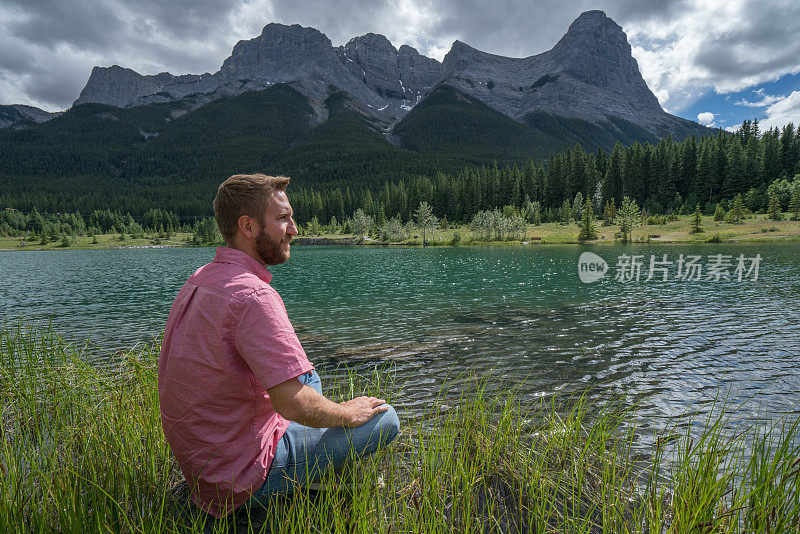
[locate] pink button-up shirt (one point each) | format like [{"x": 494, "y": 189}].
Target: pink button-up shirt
[{"x": 228, "y": 339}]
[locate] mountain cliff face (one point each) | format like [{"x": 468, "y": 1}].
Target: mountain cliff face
[
  {"x": 589, "y": 74},
  {"x": 121, "y": 87},
  {"x": 402, "y": 77},
  {"x": 19, "y": 116},
  {"x": 301, "y": 56}
]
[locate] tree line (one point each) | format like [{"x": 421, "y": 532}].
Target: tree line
[
  {"x": 65, "y": 227},
  {"x": 666, "y": 178},
  {"x": 669, "y": 177}
]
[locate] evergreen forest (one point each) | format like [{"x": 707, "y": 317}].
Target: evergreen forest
[{"x": 450, "y": 151}]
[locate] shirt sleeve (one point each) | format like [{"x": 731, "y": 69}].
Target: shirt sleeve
[{"x": 267, "y": 341}]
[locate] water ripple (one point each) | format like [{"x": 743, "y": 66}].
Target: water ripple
[{"x": 518, "y": 317}]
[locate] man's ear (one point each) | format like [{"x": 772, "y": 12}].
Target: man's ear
[{"x": 247, "y": 225}]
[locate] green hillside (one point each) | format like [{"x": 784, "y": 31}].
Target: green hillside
[
  {"x": 74, "y": 161},
  {"x": 450, "y": 123},
  {"x": 351, "y": 149},
  {"x": 244, "y": 133},
  {"x": 174, "y": 155},
  {"x": 96, "y": 156}
]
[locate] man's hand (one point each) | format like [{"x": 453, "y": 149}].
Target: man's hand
[
  {"x": 362, "y": 409},
  {"x": 298, "y": 402}
]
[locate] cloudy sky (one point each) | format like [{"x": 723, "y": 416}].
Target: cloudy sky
[{"x": 714, "y": 61}]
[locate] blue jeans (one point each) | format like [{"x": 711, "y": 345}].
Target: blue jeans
[{"x": 304, "y": 454}]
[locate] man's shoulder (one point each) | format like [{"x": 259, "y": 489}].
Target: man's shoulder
[{"x": 231, "y": 280}]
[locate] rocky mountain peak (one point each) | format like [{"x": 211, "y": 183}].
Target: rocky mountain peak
[
  {"x": 458, "y": 49},
  {"x": 595, "y": 51},
  {"x": 401, "y": 76},
  {"x": 372, "y": 41},
  {"x": 589, "y": 74},
  {"x": 460, "y": 56},
  {"x": 592, "y": 20},
  {"x": 279, "y": 53},
  {"x": 21, "y": 116}
]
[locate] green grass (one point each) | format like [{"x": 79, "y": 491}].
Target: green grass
[
  {"x": 101, "y": 241},
  {"x": 82, "y": 450},
  {"x": 757, "y": 229}
]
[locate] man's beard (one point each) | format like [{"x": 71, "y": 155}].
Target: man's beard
[{"x": 270, "y": 250}]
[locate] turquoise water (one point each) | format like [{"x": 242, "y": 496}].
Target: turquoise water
[{"x": 519, "y": 316}]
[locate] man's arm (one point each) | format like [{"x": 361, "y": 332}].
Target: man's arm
[{"x": 297, "y": 402}]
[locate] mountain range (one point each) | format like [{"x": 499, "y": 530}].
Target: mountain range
[
  {"x": 289, "y": 101},
  {"x": 589, "y": 74}
]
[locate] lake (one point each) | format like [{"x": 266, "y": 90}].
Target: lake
[{"x": 519, "y": 316}]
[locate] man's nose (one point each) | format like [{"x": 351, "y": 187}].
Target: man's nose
[{"x": 292, "y": 230}]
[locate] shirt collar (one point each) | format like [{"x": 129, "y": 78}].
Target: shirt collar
[{"x": 237, "y": 257}]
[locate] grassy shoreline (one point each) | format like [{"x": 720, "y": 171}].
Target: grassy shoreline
[
  {"x": 755, "y": 230},
  {"x": 82, "y": 450},
  {"x": 103, "y": 242}
]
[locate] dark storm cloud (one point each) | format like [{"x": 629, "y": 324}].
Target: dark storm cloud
[
  {"x": 48, "y": 85},
  {"x": 39, "y": 37},
  {"x": 186, "y": 18},
  {"x": 767, "y": 42},
  {"x": 514, "y": 28},
  {"x": 100, "y": 23},
  {"x": 80, "y": 23},
  {"x": 723, "y": 61},
  {"x": 20, "y": 61},
  {"x": 340, "y": 20},
  {"x": 644, "y": 10},
  {"x": 507, "y": 27}
]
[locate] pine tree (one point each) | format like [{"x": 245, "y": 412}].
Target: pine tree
[
  {"x": 788, "y": 149},
  {"x": 608, "y": 214},
  {"x": 577, "y": 205},
  {"x": 587, "y": 232},
  {"x": 771, "y": 159},
  {"x": 361, "y": 224},
  {"x": 734, "y": 181},
  {"x": 774, "y": 208},
  {"x": 314, "y": 226},
  {"x": 719, "y": 213},
  {"x": 612, "y": 180},
  {"x": 627, "y": 217},
  {"x": 566, "y": 211},
  {"x": 795, "y": 204},
  {"x": 688, "y": 164},
  {"x": 705, "y": 172},
  {"x": 696, "y": 221},
  {"x": 737, "y": 211},
  {"x": 635, "y": 176},
  {"x": 425, "y": 220}
]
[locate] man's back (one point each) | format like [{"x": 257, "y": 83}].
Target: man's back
[{"x": 227, "y": 340}]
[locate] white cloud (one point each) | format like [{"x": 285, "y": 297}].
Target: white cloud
[
  {"x": 706, "y": 118},
  {"x": 766, "y": 100},
  {"x": 779, "y": 109},
  {"x": 720, "y": 45},
  {"x": 783, "y": 112}
]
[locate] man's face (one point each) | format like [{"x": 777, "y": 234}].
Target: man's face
[{"x": 277, "y": 230}]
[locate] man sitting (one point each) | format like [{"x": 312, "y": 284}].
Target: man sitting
[{"x": 241, "y": 406}]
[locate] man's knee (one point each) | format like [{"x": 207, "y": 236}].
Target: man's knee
[{"x": 388, "y": 425}]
